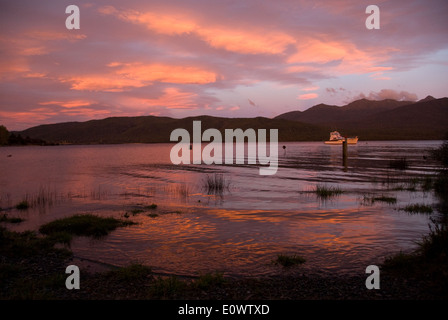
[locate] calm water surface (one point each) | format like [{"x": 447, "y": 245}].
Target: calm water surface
[{"x": 240, "y": 230}]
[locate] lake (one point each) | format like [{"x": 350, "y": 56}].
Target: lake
[{"x": 240, "y": 229}]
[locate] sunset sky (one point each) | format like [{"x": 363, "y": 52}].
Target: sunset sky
[{"x": 222, "y": 58}]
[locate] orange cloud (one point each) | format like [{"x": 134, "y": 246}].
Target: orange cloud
[
  {"x": 86, "y": 112},
  {"x": 244, "y": 41},
  {"x": 228, "y": 38},
  {"x": 13, "y": 68},
  {"x": 43, "y": 35},
  {"x": 67, "y": 104},
  {"x": 352, "y": 59},
  {"x": 107, "y": 83},
  {"x": 172, "y": 98},
  {"x": 136, "y": 75},
  {"x": 33, "y": 116},
  {"x": 166, "y": 24},
  {"x": 35, "y": 75},
  {"x": 307, "y": 96},
  {"x": 34, "y": 51},
  {"x": 165, "y": 73}
]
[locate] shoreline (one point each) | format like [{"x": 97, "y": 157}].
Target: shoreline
[{"x": 116, "y": 284}]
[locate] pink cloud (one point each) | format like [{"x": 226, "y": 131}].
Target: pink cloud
[
  {"x": 388, "y": 94},
  {"x": 307, "y": 96},
  {"x": 188, "y": 58},
  {"x": 67, "y": 104}
]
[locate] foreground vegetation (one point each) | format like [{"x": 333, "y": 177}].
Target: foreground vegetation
[
  {"x": 429, "y": 261},
  {"x": 32, "y": 266},
  {"x": 289, "y": 260},
  {"x": 325, "y": 192},
  {"x": 83, "y": 225}
]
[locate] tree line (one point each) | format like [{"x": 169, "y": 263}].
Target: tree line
[{"x": 12, "y": 139}]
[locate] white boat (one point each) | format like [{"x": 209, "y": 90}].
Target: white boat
[{"x": 336, "y": 138}]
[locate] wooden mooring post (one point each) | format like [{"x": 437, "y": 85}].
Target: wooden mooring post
[{"x": 344, "y": 152}]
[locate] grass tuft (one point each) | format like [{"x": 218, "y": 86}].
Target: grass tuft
[
  {"x": 136, "y": 211},
  {"x": 435, "y": 244},
  {"x": 325, "y": 192},
  {"x": 216, "y": 184},
  {"x": 27, "y": 244},
  {"x": 418, "y": 208},
  {"x": 4, "y": 218},
  {"x": 289, "y": 260},
  {"x": 84, "y": 225},
  {"x": 209, "y": 280},
  {"x": 371, "y": 200},
  {"x": 153, "y": 215},
  {"x": 399, "y": 164},
  {"x": 166, "y": 288},
  {"x": 23, "y": 205}
]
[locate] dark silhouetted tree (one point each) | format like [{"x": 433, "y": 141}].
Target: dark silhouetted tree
[{"x": 4, "y": 135}]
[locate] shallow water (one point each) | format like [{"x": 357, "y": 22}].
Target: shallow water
[{"x": 240, "y": 230}]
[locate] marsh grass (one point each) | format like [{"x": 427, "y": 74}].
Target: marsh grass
[
  {"x": 84, "y": 225},
  {"x": 99, "y": 194},
  {"x": 441, "y": 184},
  {"x": 153, "y": 215},
  {"x": 435, "y": 244},
  {"x": 399, "y": 164},
  {"x": 409, "y": 184},
  {"x": 136, "y": 211},
  {"x": 418, "y": 208},
  {"x": 4, "y": 218},
  {"x": 5, "y": 200},
  {"x": 44, "y": 197},
  {"x": 427, "y": 183},
  {"x": 209, "y": 280},
  {"x": 140, "y": 209},
  {"x": 23, "y": 205},
  {"x": 30, "y": 265},
  {"x": 27, "y": 244},
  {"x": 370, "y": 200},
  {"x": 216, "y": 183},
  {"x": 169, "y": 287},
  {"x": 325, "y": 192},
  {"x": 429, "y": 259},
  {"x": 289, "y": 260},
  {"x": 181, "y": 190}
]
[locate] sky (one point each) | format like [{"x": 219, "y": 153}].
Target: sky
[{"x": 228, "y": 58}]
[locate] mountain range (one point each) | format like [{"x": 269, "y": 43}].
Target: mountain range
[
  {"x": 381, "y": 120},
  {"x": 426, "y": 119}
]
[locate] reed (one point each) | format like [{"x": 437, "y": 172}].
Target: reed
[
  {"x": 325, "y": 192},
  {"x": 84, "y": 225},
  {"x": 209, "y": 280},
  {"x": 216, "y": 183},
  {"x": 370, "y": 200},
  {"x": 418, "y": 208},
  {"x": 4, "y": 218},
  {"x": 23, "y": 205},
  {"x": 289, "y": 260},
  {"x": 399, "y": 164}
]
